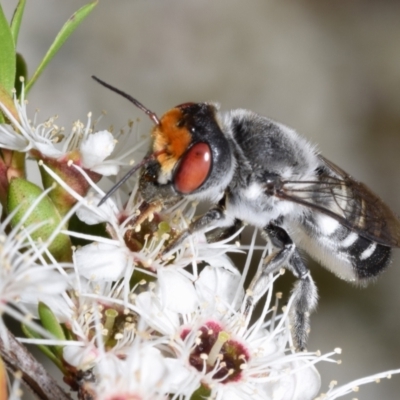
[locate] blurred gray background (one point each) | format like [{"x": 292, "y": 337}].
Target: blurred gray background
[{"x": 331, "y": 70}]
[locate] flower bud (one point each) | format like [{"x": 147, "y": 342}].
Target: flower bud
[
  {"x": 22, "y": 195},
  {"x": 72, "y": 177}
]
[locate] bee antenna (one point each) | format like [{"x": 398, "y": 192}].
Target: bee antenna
[
  {"x": 128, "y": 175},
  {"x": 151, "y": 114}
]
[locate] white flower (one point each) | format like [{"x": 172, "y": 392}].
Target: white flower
[
  {"x": 25, "y": 275},
  {"x": 95, "y": 313},
  {"x": 136, "y": 240},
  {"x": 217, "y": 348},
  {"x": 142, "y": 375},
  {"x": 95, "y": 148},
  {"x": 186, "y": 310},
  {"x": 87, "y": 148},
  {"x": 115, "y": 348},
  {"x": 23, "y": 136}
]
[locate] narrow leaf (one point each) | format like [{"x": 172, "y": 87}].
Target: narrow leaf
[
  {"x": 22, "y": 71},
  {"x": 69, "y": 27},
  {"x": 31, "y": 334},
  {"x": 50, "y": 323},
  {"x": 16, "y": 20},
  {"x": 7, "y": 55}
]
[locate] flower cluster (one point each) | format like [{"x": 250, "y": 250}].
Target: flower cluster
[{"x": 121, "y": 321}]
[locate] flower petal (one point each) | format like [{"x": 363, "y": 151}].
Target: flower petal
[
  {"x": 47, "y": 149},
  {"x": 9, "y": 139},
  {"x": 177, "y": 292},
  {"x": 179, "y": 376},
  {"x": 91, "y": 214},
  {"x": 106, "y": 169},
  {"x": 150, "y": 309},
  {"x": 80, "y": 357},
  {"x": 302, "y": 385},
  {"x": 102, "y": 261},
  {"x": 215, "y": 281},
  {"x": 96, "y": 148}
]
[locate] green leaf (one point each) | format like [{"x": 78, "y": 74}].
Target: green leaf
[
  {"x": 69, "y": 27},
  {"x": 31, "y": 334},
  {"x": 16, "y": 20},
  {"x": 7, "y": 55},
  {"x": 22, "y": 71},
  {"x": 50, "y": 323}
]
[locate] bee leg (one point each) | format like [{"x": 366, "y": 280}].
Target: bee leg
[
  {"x": 305, "y": 299},
  {"x": 219, "y": 234},
  {"x": 214, "y": 216},
  {"x": 272, "y": 263},
  {"x": 304, "y": 293}
]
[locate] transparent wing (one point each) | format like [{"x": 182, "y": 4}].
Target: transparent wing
[{"x": 336, "y": 194}]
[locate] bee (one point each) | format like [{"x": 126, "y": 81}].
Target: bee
[{"x": 262, "y": 173}]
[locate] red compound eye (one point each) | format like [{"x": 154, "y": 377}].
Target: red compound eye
[{"x": 193, "y": 169}]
